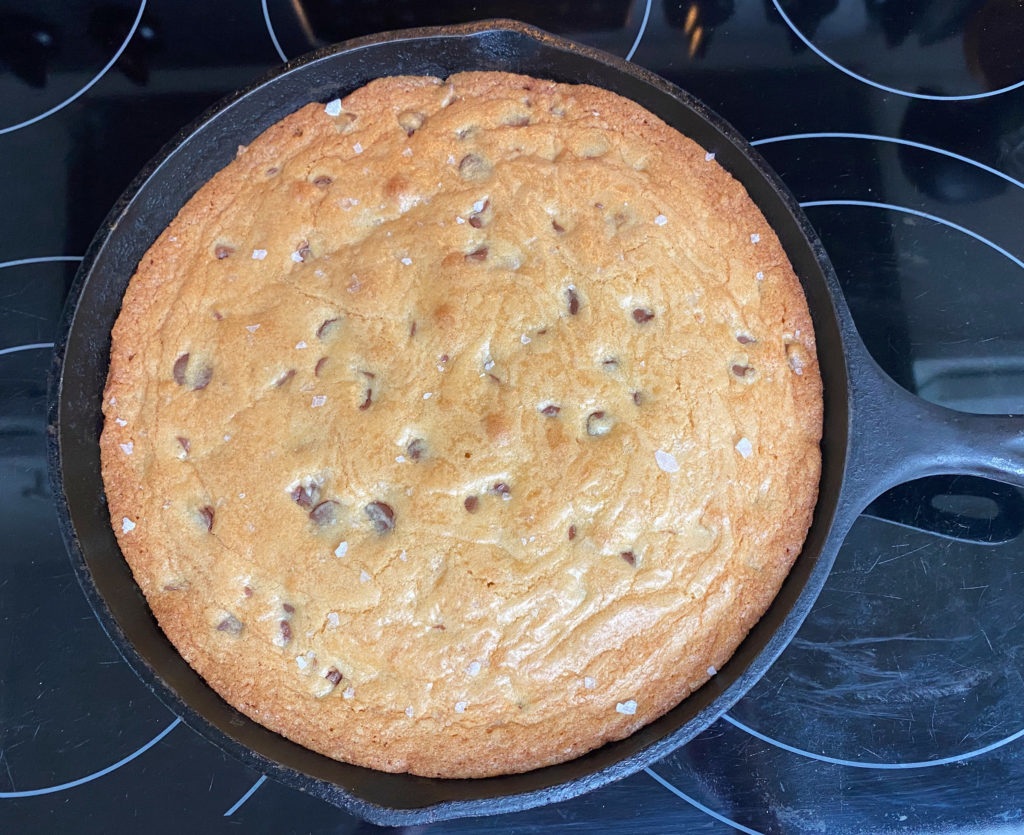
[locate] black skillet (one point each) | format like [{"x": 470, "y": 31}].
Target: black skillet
[{"x": 876, "y": 435}]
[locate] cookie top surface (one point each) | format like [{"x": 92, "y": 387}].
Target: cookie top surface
[{"x": 462, "y": 425}]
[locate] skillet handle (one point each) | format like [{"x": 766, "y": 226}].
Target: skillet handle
[{"x": 896, "y": 436}]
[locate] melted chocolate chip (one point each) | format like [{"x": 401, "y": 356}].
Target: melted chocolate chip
[
  {"x": 206, "y": 514},
  {"x": 284, "y": 378},
  {"x": 475, "y": 221},
  {"x": 416, "y": 449},
  {"x": 412, "y": 330},
  {"x": 637, "y": 397},
  {"x": 479, "y": 254},
  {"x": 224, "y": 251},
  {"x": 185, "y": 443},
  {"x": 367, "y": 402},
  {"x": 303, "y": 250},
  {"x": 744, "y": 339},
  {"x": 304, "y": 495},
  {"x": 381, "y": 515},
  {"x": 179, "y": 369},
  {"x": 574, "y": 301},
  {"x": 324, "y": 513},
  {"x": 741, "y": 370},
  {"x": 323, "y": 181},
  {"x": 334, "y": 676},
  {"x": 231, "y": 625},
  {"x": 598, "y": 423},
  {"x": 471, "y": 503},
  {"x": 610, "y": 364},
  {"x": 641, "y": 315},
  {"x": 320, "y": 363},
  {"x": 551, "y": 410},
  {"x": 326, "y": 328},
  {"x": 572, "y": 532},
  {"x": 501, "y": 488},
  {"x": 273, "y": 171},
  {"x": 286, "y": 633},
  {"x": 629, "y": 557},
  {"x": 557, "y": 226},
  {"x": 288, "y": 608},
  {"x": 247, "y": 591}
]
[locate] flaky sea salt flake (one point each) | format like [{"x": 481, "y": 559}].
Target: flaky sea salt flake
[
  {"x": 252, "y": 328},
  {"x": 660, "y": 220},
  {"x": 473, "y": 668},
  {"x": 666, "y": 461},
  {"x": 744, "y": 447},
  {"x": 127, "y": 525},
  {"x": 710, "y": 155},
  {"x": 348, "y": 693},
  {"x": 754, "y": 238},
  {"x": 358, "y": 148},
  {"x": 341, "y": 550},
  {"x": 712, "y": 671},
  {"x": 120, "y": 421},
  {"x": 297, "y": 257},
  {"x": 628, "y": 707},
  {"x": 460, "y": 707},
  {"x": 589, "y": 683},
  {"x": 319, "y": 400},
  {"x": 259, "y": 254},
  {"x": 333, "y": 619},
  {"x": 364, "y": 577},
  {"x": 333, "y": 108},
  {"x": 407, "y": 261},
  {"x": 127, "y": 448}
]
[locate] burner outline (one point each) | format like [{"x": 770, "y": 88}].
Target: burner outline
[
  {"x": 246, "y": 796},
  {"x": 45, "y": 259},
  {"x": 15, "y": 349},
  {"x": 698, "y": 805},
  {"x": 836, "y": 65},
  {"x": 96, "y": 774},
  {"x": 894, "y": 139},
  {"x": 270, "y": 30},
  {"x": 640, "y": 34},
  {"x": 88, "y": 86}
]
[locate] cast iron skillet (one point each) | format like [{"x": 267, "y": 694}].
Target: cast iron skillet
[{"x": 876, "y": 435}]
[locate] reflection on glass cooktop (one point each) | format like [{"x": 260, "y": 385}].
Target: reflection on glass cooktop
[{"x": 898, "y": 125}]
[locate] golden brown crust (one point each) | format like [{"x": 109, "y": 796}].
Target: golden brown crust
[{"x": 490, "y": 293}]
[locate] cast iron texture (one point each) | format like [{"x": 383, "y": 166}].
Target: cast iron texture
[{"x": 876, "y": 435}]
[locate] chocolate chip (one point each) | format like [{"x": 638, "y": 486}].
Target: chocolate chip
[
  {"x": 474, "y": 167},
  {"x": 475, "y": 221},
  {"x": 224, "y": 251},
  {"x": 324, "y": 513},
  {"x": 185, "y": 443},
  {"x": 494, "y": 377},
  {"x": 323, "y": 181},
  {"x": 273, "y": 171},
  {"x": 637, "y": 397},
  {"x": 557, "y": 226},
  {"x": 479, "y": 254},
  {"x": 367, "y": 402},
  {"x": 334, "y": 676},
  {"x": 416, "y": 449},
  {"x": 629, "y": 557},
  {"x": 303, "y": 250},
  {"x": 217, "y": 315},
  {"x": 304, "y": 495},
  {"x": 598, "y": 423},
  {"x": 610, "y": 364},
  {"x": 411, "y": 121},
  {"x": 326, "y": 328},
  {"x": 286, "y": 633},
  {"x": 412, "y": 330},
  {"x": 206, "y": 514},
  {"x": 438, "y": 626},
  {"x": 231, "y": 625},
  {"x": 741, "y": 370},
  {"x": 179, "y": 369},
  {"x": 288, "y": 608},
  {"x": 501, "y": 488},
  {"x": 284, "y": 378},
  {"x": 247, "y": 591},
  {"x": 572, "y": 532},
  {"x": 381, "y": 515},
  {"x": 550, "y": 410},
  {"x": 574, "y": 301},
  {"x": 641, "y": 315},
  {"x": 744, "y": 339},
  {"x": 320, "y": 363},
  {"x": 471, "y": 503}
]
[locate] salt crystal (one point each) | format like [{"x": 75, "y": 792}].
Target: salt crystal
[
  {"x": 127, "y": 525},
  {"x": 341, "y": 550},
  {"x": 459, "y": 219},
  {"x": 460, "y": 707},
  {"x": 333, "y": 108},
  {"x": 120, "y": 421},
  {"x": 426, "y": 396},
  {"x": 629, "y": 708},
  {"x": 241, "y": 495},
  {"x": 408, "y": 711},
  {"x": 400, "y": 459},
  {"x": 488, "y": 365},
  {"x": 357, "y": 148},
  {"x": 755, "y": 238},
  {"x": 297, "y": 257},
  {"x": 478, "y": 206},
  {"x": 666, "y": 461},
  {"x": 710, "y": 155},
  {"x": 127, "y": 448},
  {"x": 252, "y": 328},
  {"x": 712, "y": 671},
  {"x": 661, "y": 220},
  {"x": 473, "y": 668},
  {"x": 759, "y": 276},
  {"x": 524, "y": 339},
  {"x": 407, "y": 152},
  {"x": 589, "y": 683},
  {"x": 348, "y": 693},
  {"x": 300, "y": 345},
  {"x": 744, "y": 447},
  {"x": 407, "y": 261},
  {"x": 333, "y": 619},
  {"x": 227, "y": 438},
  {"x": 319, "y": 400},
  {"x": 259, "y": 254},
  {"x": 364, "y": 577},
  {"x": 302, "y": 662},
  {"x": 402, "y": 556}
]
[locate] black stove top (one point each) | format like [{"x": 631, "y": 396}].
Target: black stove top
[{"x": 900, "y": 126}]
